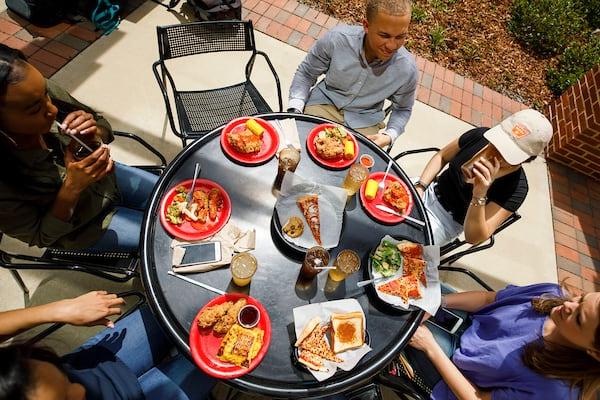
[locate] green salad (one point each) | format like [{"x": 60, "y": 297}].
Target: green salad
[{"x": 387, "y": 259}]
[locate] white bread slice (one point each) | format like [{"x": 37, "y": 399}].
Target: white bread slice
[
  {"x": 308, "y": 328},
  {"x": 312, "y": 361},
  {"x": 347, "y": 331}
]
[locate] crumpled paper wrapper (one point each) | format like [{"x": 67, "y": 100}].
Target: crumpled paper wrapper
[
  {"x": 332, "y": 201},
  {"x": 431, "y": 295},
  {"x": 288, "y": 134},
  {"x": 324, "y": 310},
  {"x": 232, "y": 239}
]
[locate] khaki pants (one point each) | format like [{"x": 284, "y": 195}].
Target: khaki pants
[{"x": 329, "y": 111}]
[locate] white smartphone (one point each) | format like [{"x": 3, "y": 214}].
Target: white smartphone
[
  {"x": 446, "y": 320},
  {"x": 201, "y": 253}
]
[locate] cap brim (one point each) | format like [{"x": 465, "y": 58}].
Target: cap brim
[{"x": 505, "y": 145}]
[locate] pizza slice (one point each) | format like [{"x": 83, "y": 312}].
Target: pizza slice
[
  {"x": 410, "y": 249},
  {"x": 406, "y": 288},
  {"x": 415, "y": 267},
  {"x": 317, "y": 344},
  {"x": 309, "y": 205}
]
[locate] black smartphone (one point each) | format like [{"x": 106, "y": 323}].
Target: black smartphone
[
  {"x": 201, "y": 253},
  {"x": 446, "y": 320}
]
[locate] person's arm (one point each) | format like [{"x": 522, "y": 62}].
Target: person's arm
[
  {"x": 437, "y": 163},
  {"x": 402, "y": 104},
  {"x": 468, "y": 301},
  {"x": 89, "y": 309},
  {"x": 483, "y": 219},
  {"x": 462, "y": 388},
  {"x": 315, "y": 63}
]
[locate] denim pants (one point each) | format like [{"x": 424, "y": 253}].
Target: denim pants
[
  {"x": 139, "y": 342},
  {"x": 123, "y": 233}
]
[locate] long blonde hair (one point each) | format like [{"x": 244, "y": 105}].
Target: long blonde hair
[{"x": 554, "y": 361}]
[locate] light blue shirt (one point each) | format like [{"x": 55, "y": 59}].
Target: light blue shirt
[{"x": 353, "y": 85}]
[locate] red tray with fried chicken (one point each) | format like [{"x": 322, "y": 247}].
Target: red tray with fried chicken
[
  {"x": 213, "y": 325},
  {"x": 327, "y": 149},
  {"x": 208, "y": 216},
  {"x": 240, "y": 144},
  {"x": 395, "y": 196}
]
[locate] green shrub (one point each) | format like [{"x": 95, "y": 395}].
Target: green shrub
[
  {"x": 573, "y": 64},
  {"x": 438, "y": 38},
  {"x": 547, "y": 26},
  {"x": 419, "y": 14},
  {"x": 591, "y": 9}
]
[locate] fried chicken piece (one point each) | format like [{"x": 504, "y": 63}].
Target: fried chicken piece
[
  {"x": 245, "y": 141},
  {"x": 211, "y": 315},
  {"x": 224, "y": 324},
  {"x": 329, "y": 147},
  {"x": 201, "y": 198},
  {"x": 215, "y": 203}
]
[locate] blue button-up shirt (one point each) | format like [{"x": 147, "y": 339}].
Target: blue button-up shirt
[{"x": 353, "y": 85}]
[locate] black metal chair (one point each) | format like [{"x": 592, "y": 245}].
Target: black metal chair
[
  {"x": 200, "y": 111},
  {"x": 117, "y": 266},
  {"x": 445, "y": 250}
]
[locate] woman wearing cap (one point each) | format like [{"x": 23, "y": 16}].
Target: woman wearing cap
[
  {"x": 50, "y": 194},
  {"x": 484, "y": 183}
]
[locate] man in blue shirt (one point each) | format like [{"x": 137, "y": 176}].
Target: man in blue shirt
[{"x": 363, "y": 67}]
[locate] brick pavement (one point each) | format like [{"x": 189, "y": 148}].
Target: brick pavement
[{"x": 574, "y": 198}]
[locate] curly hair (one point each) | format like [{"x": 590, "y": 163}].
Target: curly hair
[
  {"x": 554, "y": 361},
  {"x": 392, "y": 7}
]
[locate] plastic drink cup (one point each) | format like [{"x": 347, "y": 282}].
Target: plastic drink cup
[
  {"x": 289, "y": 159},
  {"x": 243, "y": 267},
  {"x": 316, "y": 257},
  {"x": 355, "y": 177},
  {"x": 346, "y": 263}
]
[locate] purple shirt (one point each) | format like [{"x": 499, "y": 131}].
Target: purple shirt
[{"x": 490, "y": 353}]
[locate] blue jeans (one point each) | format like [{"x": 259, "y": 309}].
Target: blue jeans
[
  {"x": 123, "y": 233},
  {"x": 139, "y": 342}
]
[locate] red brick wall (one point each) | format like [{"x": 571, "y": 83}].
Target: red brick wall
[{"x": 575, "y": 116}]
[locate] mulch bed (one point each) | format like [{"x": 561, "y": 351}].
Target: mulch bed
[{"x": 478, "y": 44}]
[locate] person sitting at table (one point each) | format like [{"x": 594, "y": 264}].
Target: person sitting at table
[
  {"x": 131, "y": 360},
  {"x": 484, "y": 182},
  {"x": 530, "y": 342},
  {"x": 363, "y": 67},
  {"x": 49, "y": 197}
]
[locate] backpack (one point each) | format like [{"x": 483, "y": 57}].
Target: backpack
[
  {"x": 212, "y": 10},
  {"x": 43, "y": 13}
]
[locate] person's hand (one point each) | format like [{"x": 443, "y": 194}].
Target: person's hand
[
  {"x": 484, "y": 173},
  {"x": 381, "y": 139},
  {"x": 422, "y": 339},
  {"x": 81, "y": 174},
  {"x": 89, "y": 309},
  {"x": 420, "y": 191},
  {"x": 80, "y": 123}
]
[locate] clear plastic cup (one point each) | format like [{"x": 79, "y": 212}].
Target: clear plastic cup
[{"x": 243, "y": 268}]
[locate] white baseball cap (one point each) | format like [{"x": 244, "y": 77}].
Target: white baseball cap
[{"x": 520, "y": 136}]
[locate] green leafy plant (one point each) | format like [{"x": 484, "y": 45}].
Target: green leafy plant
[
  {"x": 469, "y": 52},
  {"x": 573, "y": 64},
  {"x": 547, "y": 26},
  {"x": 438, "y": 39},
  {"x": 439, "y": 5},
  {"x": 419, "y": 14},
  {"x": 591, "y": 10}
]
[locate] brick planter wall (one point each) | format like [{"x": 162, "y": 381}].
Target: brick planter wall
[{"x": 575, "y": 116}]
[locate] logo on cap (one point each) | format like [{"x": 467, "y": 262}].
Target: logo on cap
[{"x": 519, "y": 131}]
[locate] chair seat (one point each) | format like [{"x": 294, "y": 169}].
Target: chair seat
[{"x": 202, "y": 111}]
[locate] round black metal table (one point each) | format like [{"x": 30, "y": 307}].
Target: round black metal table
[{"x": 176, "y": 302}]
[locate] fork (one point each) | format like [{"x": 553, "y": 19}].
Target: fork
[
  {"x": 190, "y": 194},
  {"x": 381, "y": 184}
]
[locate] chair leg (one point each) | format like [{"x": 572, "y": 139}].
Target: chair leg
[{"x": 19, "y": 280}]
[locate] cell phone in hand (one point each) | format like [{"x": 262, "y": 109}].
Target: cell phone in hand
[
  {"x": 446, "y": 320},
  {"x": 201, "y": 253}
]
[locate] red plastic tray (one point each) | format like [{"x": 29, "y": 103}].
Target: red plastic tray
[
  {"x": 189, "y": 230},
  {"x": 270, "y": 142},
  {"x": 369, "y": 205},
  {"x": 336, "y": 163},
  {"x": 204, "y": 343}
]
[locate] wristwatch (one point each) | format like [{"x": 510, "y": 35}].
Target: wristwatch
[
  {"x": 479, "y": 201},
  {"x": 422, "y": 184}
]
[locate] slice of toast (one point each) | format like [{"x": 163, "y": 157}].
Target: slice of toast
[
  {"x": 308, "y": 328},
  {"x": 347, "y": 331}
]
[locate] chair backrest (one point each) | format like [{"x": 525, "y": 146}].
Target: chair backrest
[{"x": 204, "y": 37}]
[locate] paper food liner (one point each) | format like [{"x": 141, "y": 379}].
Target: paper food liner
[
  {"x": 332, "y": 201},
  {"x": 431, "y": 295},
  {"x": 324, "y": 310},
  {"x": 288, "y": 134}
]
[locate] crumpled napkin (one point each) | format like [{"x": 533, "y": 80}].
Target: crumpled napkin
[
  {"x": 288, "y": 134},
  {"x": 233, "y": 240}
]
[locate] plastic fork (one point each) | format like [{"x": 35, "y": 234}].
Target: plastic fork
[{"x": 381, "y": 184}]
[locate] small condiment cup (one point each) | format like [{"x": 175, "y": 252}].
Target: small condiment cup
[
  {"x": 247, "y": 309},
  {"x": 366, "y": 160}
]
